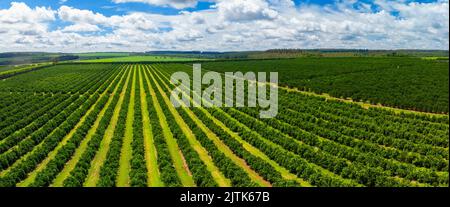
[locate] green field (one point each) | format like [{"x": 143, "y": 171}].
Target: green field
[
  {"x": 408, "y": 83},
  {"x": 140, "y": 59},
  {"x": 436, "y": 58},
  {"x": 109, "y": 125},
  {"x": 26, "y": 58},
  {"x": 103, "y": 54},
  {"x": 8, "y": 71},
  {"x": 3, "y": 68},
  {"x": 6, "y": 68}
]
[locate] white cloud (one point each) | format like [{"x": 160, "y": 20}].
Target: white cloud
[
  {"x": 81, "y": 28},
  {"x": 231, "y": 25},
  {"x": 178, "y": 4},
  {"x": 21, "y": 25},
  {"x": 70, "y": 14},
  {"x": 245, "y": 10},
  {"x": 140, "y": 21},
  {"x": 21, "y": 13}
]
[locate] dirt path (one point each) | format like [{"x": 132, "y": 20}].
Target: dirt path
[
  {"x": 99, "y": 159},
  {"x": 91, "y": 132},
  {"x": 226, "y": 150},
  {"x": 151, "y": 155},
  {"x": 221, "y": 180},
  {"x": 123, "y": 176},
  {"x": 177, "y": 157}
]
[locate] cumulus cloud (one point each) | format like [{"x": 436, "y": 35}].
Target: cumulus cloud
[
  {"x": 21, "y": 13},
  {"x": 21, "y": 25},
  {"x": 245, "y": 10},
  {"x": 139, "y": 21},
  {"x": 81, "y": 28},
  {"x": 178, "y": 4},
  {"x": 70, "y": 14},
  {"x": 231, "y": 25}
]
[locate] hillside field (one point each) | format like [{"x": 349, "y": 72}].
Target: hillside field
[
  {"x": 139, "y": 59},
  {"x": 402, "y": 82},
  {"x": 103, "y": 54},
  {"x": 113, "y": 125},
  {"x": 7, "y": 71}
]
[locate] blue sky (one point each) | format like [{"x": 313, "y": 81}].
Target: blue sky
[
  {"x": 108, "y": 7},
  {"x": 141, "y": 25}
]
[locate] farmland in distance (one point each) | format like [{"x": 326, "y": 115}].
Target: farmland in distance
[{"x": 139, "y": 59}]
